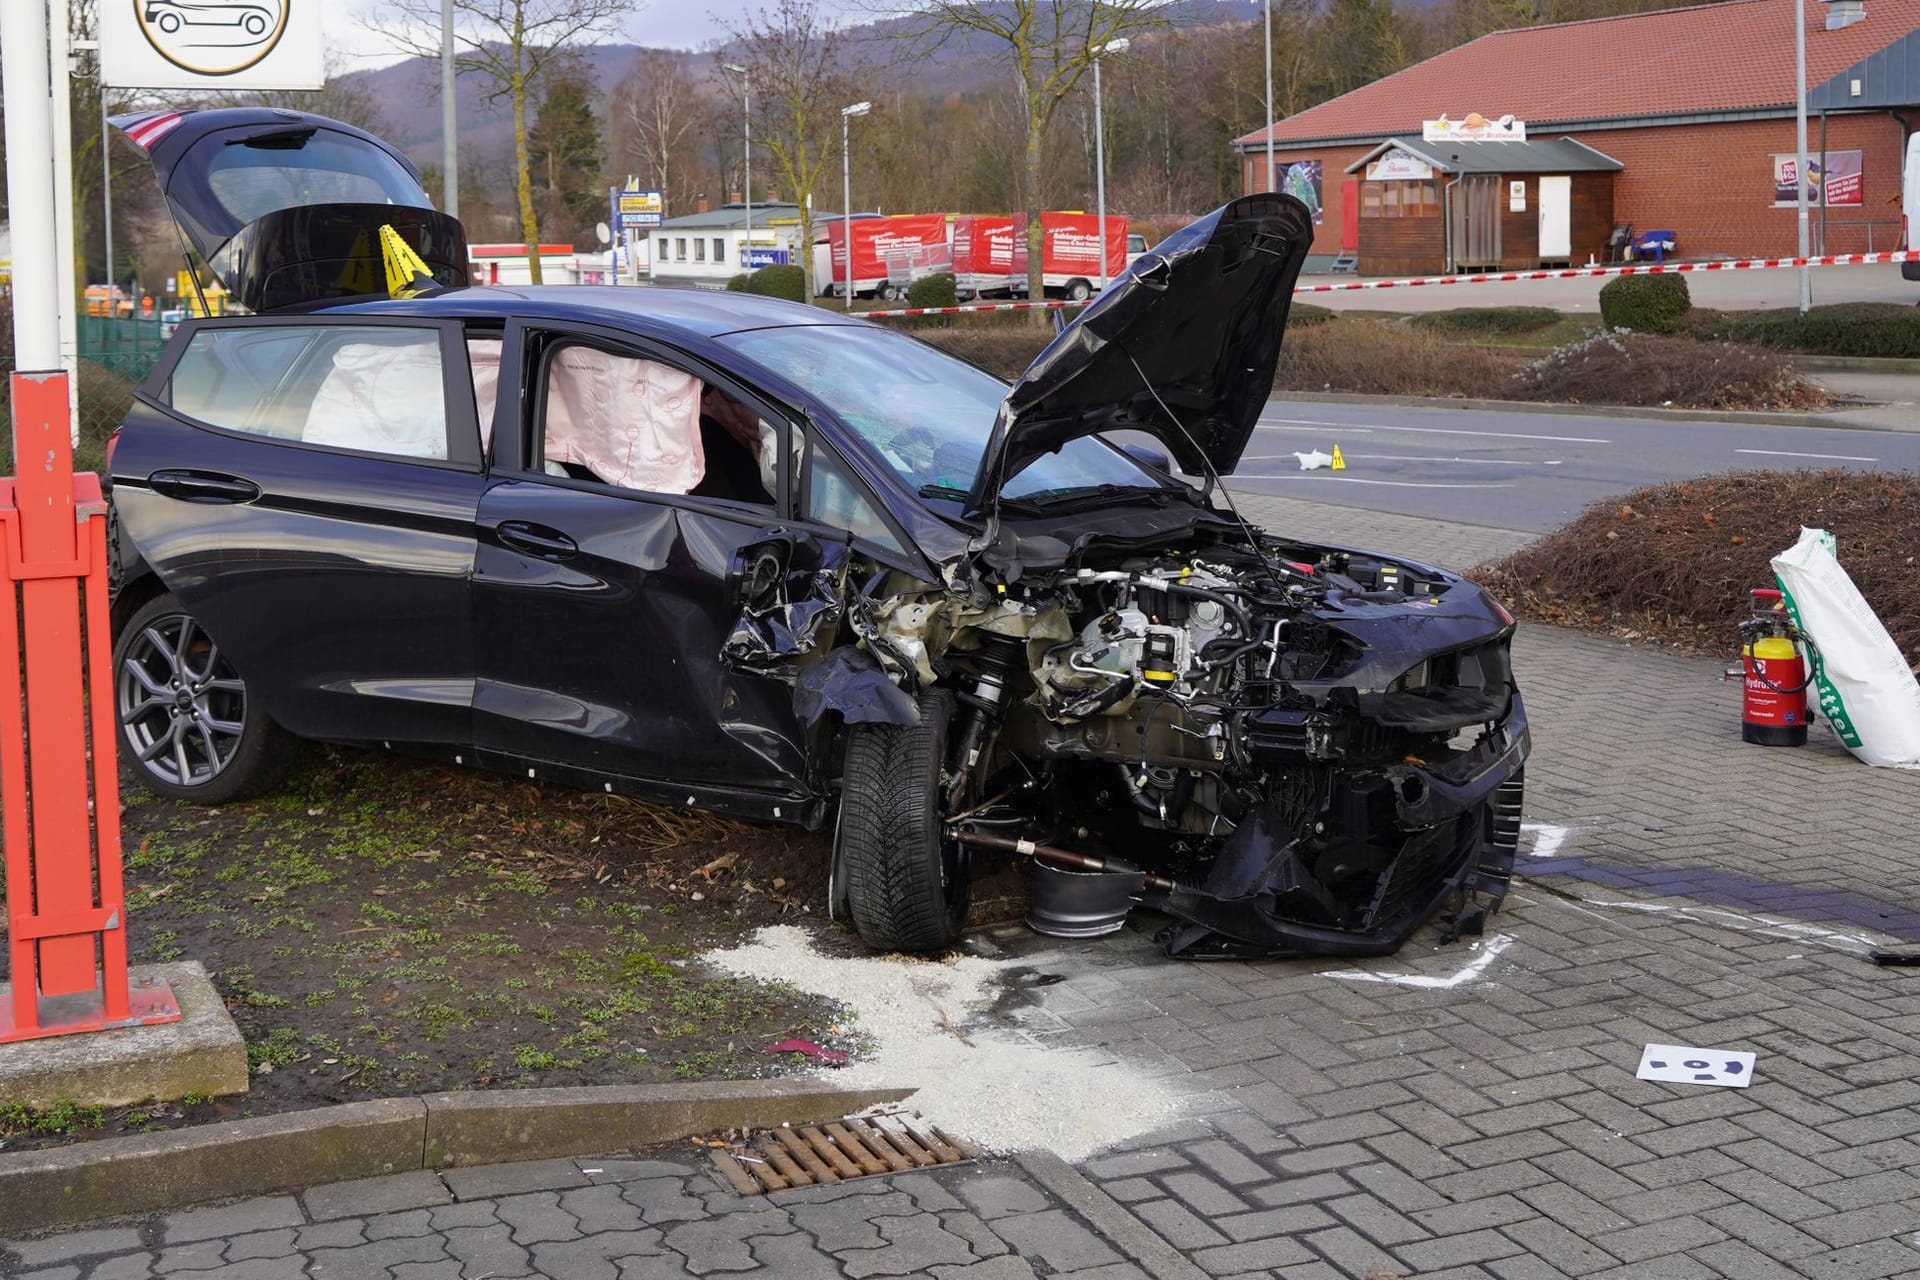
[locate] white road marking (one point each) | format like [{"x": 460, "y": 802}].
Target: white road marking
[
  {"x": 1277, "y": 423},
  {"x": 1852, "y": 942},
  {"x": 1489, "y": 950},
  {"x": 1491, "y": 462},
  {"x": 1391, "y": 484},
  {"x": 1546, "y": 839},
  {"x": 1831, "y": 457}
]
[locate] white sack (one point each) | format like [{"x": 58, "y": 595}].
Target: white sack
[
  {"x": 1314, "y": 461},
  {"x": 1867, "y": 692}
]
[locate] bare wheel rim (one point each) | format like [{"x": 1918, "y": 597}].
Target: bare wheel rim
[{"x": 183, "y": 708}]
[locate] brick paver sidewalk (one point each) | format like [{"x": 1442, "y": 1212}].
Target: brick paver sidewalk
[{"x": 1452, "y": 1112}]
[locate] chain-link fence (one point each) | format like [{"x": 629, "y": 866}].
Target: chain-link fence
[{"x": 116, "y": 355}]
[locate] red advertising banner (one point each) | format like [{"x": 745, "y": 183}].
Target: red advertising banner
[{"x": 875, "y": 238}]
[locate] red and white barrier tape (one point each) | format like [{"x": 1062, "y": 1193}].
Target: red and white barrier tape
[{"x": 1491, "y": 277}]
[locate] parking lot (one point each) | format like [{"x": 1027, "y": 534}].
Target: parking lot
[{"x": 1454, "y": 1111}]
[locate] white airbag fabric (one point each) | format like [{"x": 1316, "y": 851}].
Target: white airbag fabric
[
  {"x": 382, "y": 398},
  {"x": 631, "y": 422}
]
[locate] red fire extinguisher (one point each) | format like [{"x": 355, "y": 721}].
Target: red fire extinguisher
[{"x": 1773, "y": 711}]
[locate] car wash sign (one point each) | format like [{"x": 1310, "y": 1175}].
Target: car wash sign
[{"x": 211, "y": 44}]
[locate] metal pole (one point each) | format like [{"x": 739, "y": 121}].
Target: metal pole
[
  {"x": 746, "y": 162},
  {"x": 106, "y": 190},
  {"x": 1100, "y": 172},
  {"x": 846, "y": 198},
  {"x": 60, "y": 103},
  {"x": 30, "y": 206},
  {"x": 1266, "y": 10},
  {"x": 1800, "y": 145},
  {"x": 449, "y": 116}
]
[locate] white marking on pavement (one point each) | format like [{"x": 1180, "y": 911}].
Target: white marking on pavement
[
  {"x": 1276, "y": 423},
  {"x": 1782, "y": 453},
  {"x": 1489, "y": 950},
  {"x": 1546, "y": 839},
  {"x": 1854, "y": 942},
  {"x": 1391, "y": 484},
  {"x": 1491, "y": 462}
]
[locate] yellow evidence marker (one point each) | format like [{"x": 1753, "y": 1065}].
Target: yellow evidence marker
[
  {"x": 1339, "y": 463},
  {"x": 407, "y": 274}
]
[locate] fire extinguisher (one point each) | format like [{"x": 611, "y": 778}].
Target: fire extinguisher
[{"x": 1773, "y": 711}]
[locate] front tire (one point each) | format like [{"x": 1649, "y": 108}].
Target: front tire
[
  {"x": 907, "y": 886},
  {"x": 189, "y": 726},
  {"x": 1079, "y": 290}
]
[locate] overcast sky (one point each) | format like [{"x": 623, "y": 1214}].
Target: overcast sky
[{"x": 679, "y": 24}]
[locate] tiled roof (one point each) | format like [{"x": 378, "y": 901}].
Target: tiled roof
[{"x": 1732, "y": 56}]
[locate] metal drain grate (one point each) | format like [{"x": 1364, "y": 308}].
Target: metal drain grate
[{"x": 862, "y": 1147}]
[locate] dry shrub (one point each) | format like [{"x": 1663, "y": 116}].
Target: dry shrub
[
  {"x": 1617, "y": 367},
  {"x": 1005, "y": 351},
  {"x": 1674, "y": 562},
  {"x": 1384, "y": 358}
]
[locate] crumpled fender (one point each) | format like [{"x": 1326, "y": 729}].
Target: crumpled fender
[{"x": 851, "y": 682}]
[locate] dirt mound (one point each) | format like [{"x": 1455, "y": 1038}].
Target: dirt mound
[{"x": 1673, "y": 562}]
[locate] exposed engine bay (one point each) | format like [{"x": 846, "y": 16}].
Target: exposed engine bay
[{"x": 1290, "y": 749}]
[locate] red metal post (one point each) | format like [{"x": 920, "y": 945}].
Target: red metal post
[{"x": 59, "y": 788}]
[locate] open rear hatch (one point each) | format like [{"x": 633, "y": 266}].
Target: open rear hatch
[{"x": 286, "y": 208}]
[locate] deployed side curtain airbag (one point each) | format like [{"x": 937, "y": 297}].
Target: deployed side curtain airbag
[{"x": 631, "y": 422}]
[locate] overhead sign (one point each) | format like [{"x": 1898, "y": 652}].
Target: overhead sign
[
  {"x": 1475, "y": 128},
  {"x": 1398, "y": 166},
  {"x": 210, "y": 44},
  {"x": 636, "y": 208}
]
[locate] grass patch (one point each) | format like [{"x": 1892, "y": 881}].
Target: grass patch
[{"x": 1487, "y": 322}]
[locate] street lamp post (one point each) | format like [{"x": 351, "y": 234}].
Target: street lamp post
[
  {"x": 1800, "y": 146},
  {"x": 846, "y": 187},
  {"x": 449, "y": 117},
  {"x": 746, "y": 152},
  {"x": 1266, "y": 12},
  {"x": 1100, "y": 150}
]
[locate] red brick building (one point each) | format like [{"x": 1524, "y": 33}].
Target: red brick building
[{"x": 1695, "y": 105}]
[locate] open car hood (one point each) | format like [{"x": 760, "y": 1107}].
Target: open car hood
[
  {"x": 286, "y": 208},
  {"x": 1182, "y": 346}
]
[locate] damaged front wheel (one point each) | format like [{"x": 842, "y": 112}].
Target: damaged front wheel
[{"x": 907, "y": 885}]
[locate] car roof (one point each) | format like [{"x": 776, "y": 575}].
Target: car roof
[{"x": 664, "y": 310}]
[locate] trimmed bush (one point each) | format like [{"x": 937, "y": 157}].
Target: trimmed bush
[
  {"x": 1489, "y": 321},
  {"x": 1885, "y": 329},
  {"x": 738, "y": 284},
  {"x": 779, "y": 282},
  {"x": 1646, "y": 304},
  {"x": 933, "y": 291}
]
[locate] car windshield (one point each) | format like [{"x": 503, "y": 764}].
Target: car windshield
[{"x": 926, "y": 413}]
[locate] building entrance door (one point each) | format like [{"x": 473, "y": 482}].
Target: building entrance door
[
  {"x": 1476, "y": 221},
  {"x": 1556, "y": 218}
]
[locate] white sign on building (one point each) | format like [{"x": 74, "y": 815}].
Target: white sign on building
[
  {"x": 1475, "y": 128},
  {"x": 202, "y": 44},
  {"x": 1398, "y": 165}
]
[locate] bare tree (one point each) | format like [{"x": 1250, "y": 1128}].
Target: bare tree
[
  {"x": 794, "y": 61},
  {"x": 510, "y": 45},
  {"x": 655, "y": 107},
  {"x": 1050, "y": 45}
]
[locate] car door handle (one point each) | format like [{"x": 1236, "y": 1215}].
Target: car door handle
[
  {"x": 203, "y": 486},
  {"x": 536, "y": 540}
]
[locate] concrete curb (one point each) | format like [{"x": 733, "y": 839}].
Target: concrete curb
[
  {"x": 1578, "y": 410},
  {"x": 65, "y": 1186}
]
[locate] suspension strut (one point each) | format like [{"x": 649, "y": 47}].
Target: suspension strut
[{"x": 999, "y": 657}]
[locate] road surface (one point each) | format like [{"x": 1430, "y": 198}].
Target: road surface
[{"x": 1526, "y": 471}]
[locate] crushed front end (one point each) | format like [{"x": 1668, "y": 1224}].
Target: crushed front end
[{"x": 1289, "y": 749}]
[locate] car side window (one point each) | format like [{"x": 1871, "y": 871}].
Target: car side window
[
  {"x": 634, "y": 422},
  {"x": 837, "y": 499},
  {"x": 372, "y": 389}
]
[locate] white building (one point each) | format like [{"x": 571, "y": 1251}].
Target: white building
[
  {"x": 710, "y": 248},
  {"x": 507, "y": 264}
]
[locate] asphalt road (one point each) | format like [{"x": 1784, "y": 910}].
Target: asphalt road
[{"x": 1525, "y": 471}]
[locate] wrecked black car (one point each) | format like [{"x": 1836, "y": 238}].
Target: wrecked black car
[{"x": 766, "y": 559}]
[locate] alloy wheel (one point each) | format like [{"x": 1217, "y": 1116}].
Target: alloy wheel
[{"x": 183, "y": 708}]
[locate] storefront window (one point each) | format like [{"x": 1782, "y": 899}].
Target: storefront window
[{"x": 1400, "y": 199}]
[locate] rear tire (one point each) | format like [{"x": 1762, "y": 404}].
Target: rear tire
[
  {"x": 190, "y": 728},
  {"x": 907, "y": 887},
  {"x": 1079, "y": 290}
]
